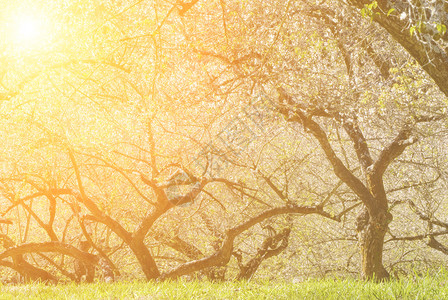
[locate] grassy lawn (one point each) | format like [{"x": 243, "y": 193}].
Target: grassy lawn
[{"x": 429, "y": 287}]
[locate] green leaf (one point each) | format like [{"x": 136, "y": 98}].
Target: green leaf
[
  {"x": 372, "y": 5},
  {"x": 441, "y": 28},
  {"x": 390, "y": 11},
  {"x": 363, "y": 12}
]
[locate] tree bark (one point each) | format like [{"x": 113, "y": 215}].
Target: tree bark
[
  {"x": 145, "y": 259},
  {"x": 371, "y": 238}
]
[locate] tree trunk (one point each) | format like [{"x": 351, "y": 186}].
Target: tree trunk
[
  {"x": 145, "y": 259},
  {"x": 371, "y": 237}
]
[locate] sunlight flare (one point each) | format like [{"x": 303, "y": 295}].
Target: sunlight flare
[{"x": 28, "y": 30}]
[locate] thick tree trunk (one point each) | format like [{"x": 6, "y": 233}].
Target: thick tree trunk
[
  {"x": 372, "y": 253},
  {"x": 371, "y": 238}
]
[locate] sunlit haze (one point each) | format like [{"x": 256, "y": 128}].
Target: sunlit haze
[{"x": 28, "y": 30}]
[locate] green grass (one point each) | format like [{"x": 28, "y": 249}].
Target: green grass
[{"x": 428, "y": 287}]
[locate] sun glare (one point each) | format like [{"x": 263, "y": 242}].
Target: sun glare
[{"x": 28, "y": 30}]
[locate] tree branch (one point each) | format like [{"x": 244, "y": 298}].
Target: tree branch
[
  {"x": 360, "y": 144},
  {"x": 293, "y": 113},
  {"x": 388, "y": 154},
  {"x": 50, "y": 247},
  {"x": 430, "y": 55},
  {"x": 222, "y": 256}
]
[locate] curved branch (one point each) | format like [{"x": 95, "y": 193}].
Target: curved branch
[
  {"x": 222, "y": 256},
  {"x": 58, "y": 247}
]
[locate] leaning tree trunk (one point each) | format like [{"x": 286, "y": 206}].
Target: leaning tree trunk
[{"x": 145, "y": 259}]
